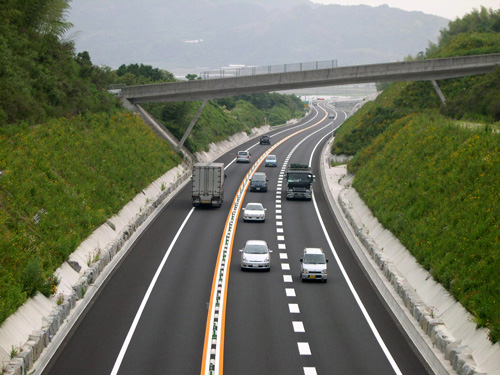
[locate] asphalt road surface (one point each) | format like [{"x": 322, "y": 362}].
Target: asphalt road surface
[{"x": 273, "y": 323}]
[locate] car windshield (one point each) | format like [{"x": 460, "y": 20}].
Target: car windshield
[
  {"x": 256, "y": 249},
  {"x": 254, "y": 206},
  {"x": 271, "y": 157},
  {"x": 314, "y": 258},
  {"x": 259, "y": 178},
  {"x": 299, "y": 177},
  {"x": 242, "y": 153}
]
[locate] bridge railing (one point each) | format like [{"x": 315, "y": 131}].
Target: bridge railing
[{"x": 239, "y": 71}]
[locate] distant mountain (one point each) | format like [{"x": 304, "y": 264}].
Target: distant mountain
[{"x": 192, "y": 34}]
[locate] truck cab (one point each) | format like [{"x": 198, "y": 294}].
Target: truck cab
[{"x": 299, "y": 180}]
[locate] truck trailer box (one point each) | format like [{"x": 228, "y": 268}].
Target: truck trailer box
[{"x": 208, "y": 184}]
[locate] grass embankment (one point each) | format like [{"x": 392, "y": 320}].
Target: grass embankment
[
  {"x": 436, "y": 186},
  {"x": 434, "y": 181},
  {"x": 225, "y": 117},
  {"x": 213, "y": 125},
  {"x": 59, "y": 182}
]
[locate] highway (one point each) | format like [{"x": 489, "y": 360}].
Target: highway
[{"x": 272, "y": 322}]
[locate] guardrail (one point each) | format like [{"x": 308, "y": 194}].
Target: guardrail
[{"x": 239, "y": 71}]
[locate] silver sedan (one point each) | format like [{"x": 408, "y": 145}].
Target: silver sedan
[
  {"x": 254, "y": 212},
  {"x": 256, "y": 255}
]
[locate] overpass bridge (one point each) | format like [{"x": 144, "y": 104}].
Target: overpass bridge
[
  {"x": 206, "y": 89},
  {"x": 418, "y": 70}
]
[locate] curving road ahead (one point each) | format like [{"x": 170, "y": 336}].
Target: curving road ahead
[{"x": 151, "y": 315}]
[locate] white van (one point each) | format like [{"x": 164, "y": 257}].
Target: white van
[{"x": 313, "y": 265}]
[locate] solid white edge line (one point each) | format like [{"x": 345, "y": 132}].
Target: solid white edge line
[
  {"x": 351, "y": 287},
  {"x": 131, "y": 331}
]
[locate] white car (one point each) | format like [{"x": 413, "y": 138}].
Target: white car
[
  {"x": 254, "y": 212},
  {"x": 256, "y": 255},
  {"x": 313, "y": 265},
  {"x": 243, "y": 157}
]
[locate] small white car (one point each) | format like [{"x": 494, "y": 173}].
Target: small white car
[
  {"x": 254, "y": 212},
  {"x": 313, "y": 265},
  {"x": 256, "y": 255},
  {"x": 243, "y": 157}
]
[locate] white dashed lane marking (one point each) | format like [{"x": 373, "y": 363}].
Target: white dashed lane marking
[
  {"x": 290, "y": 292},
  {"x": 285, "y": 266},
  {"x": 294, "y": 308},
  {"x": 298, "y": 327},
  {"x": 283, "y": 256},
  {"x": 304, "y": 348},
  {"x": 281, "y": 238},
  {"x": 287, "y": 278},
  {"x": 281, "y": 246},
  {"x": 310, "y": 371}
]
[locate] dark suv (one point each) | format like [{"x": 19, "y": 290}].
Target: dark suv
[
  {"x": 265, "y": 139},
  {"x": 259, "y": 182}
]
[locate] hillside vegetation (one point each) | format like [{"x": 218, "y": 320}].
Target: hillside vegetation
[
  {"x": 431, "y": 173},
  {"x": 225, "y": 116},
  {"x": 70, "y": 155}
]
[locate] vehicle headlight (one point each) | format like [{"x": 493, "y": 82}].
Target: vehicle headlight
[
  {"x": 244, "y": 258},
  {"x": 324, "y": 271},
  {"x": 266, "y": 259}
]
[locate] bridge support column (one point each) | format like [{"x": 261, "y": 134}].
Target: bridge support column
[
  {"x": 438, "y": 92},
  {"x": 190, "y": 127}
]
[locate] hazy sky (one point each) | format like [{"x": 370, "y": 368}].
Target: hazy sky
[{"x": 450, "y": 9}]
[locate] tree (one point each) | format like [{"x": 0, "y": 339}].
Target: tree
[{"x": 43, "y": 16}]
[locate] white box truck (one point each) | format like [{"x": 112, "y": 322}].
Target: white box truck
[{"x": 208, "y": 184}]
